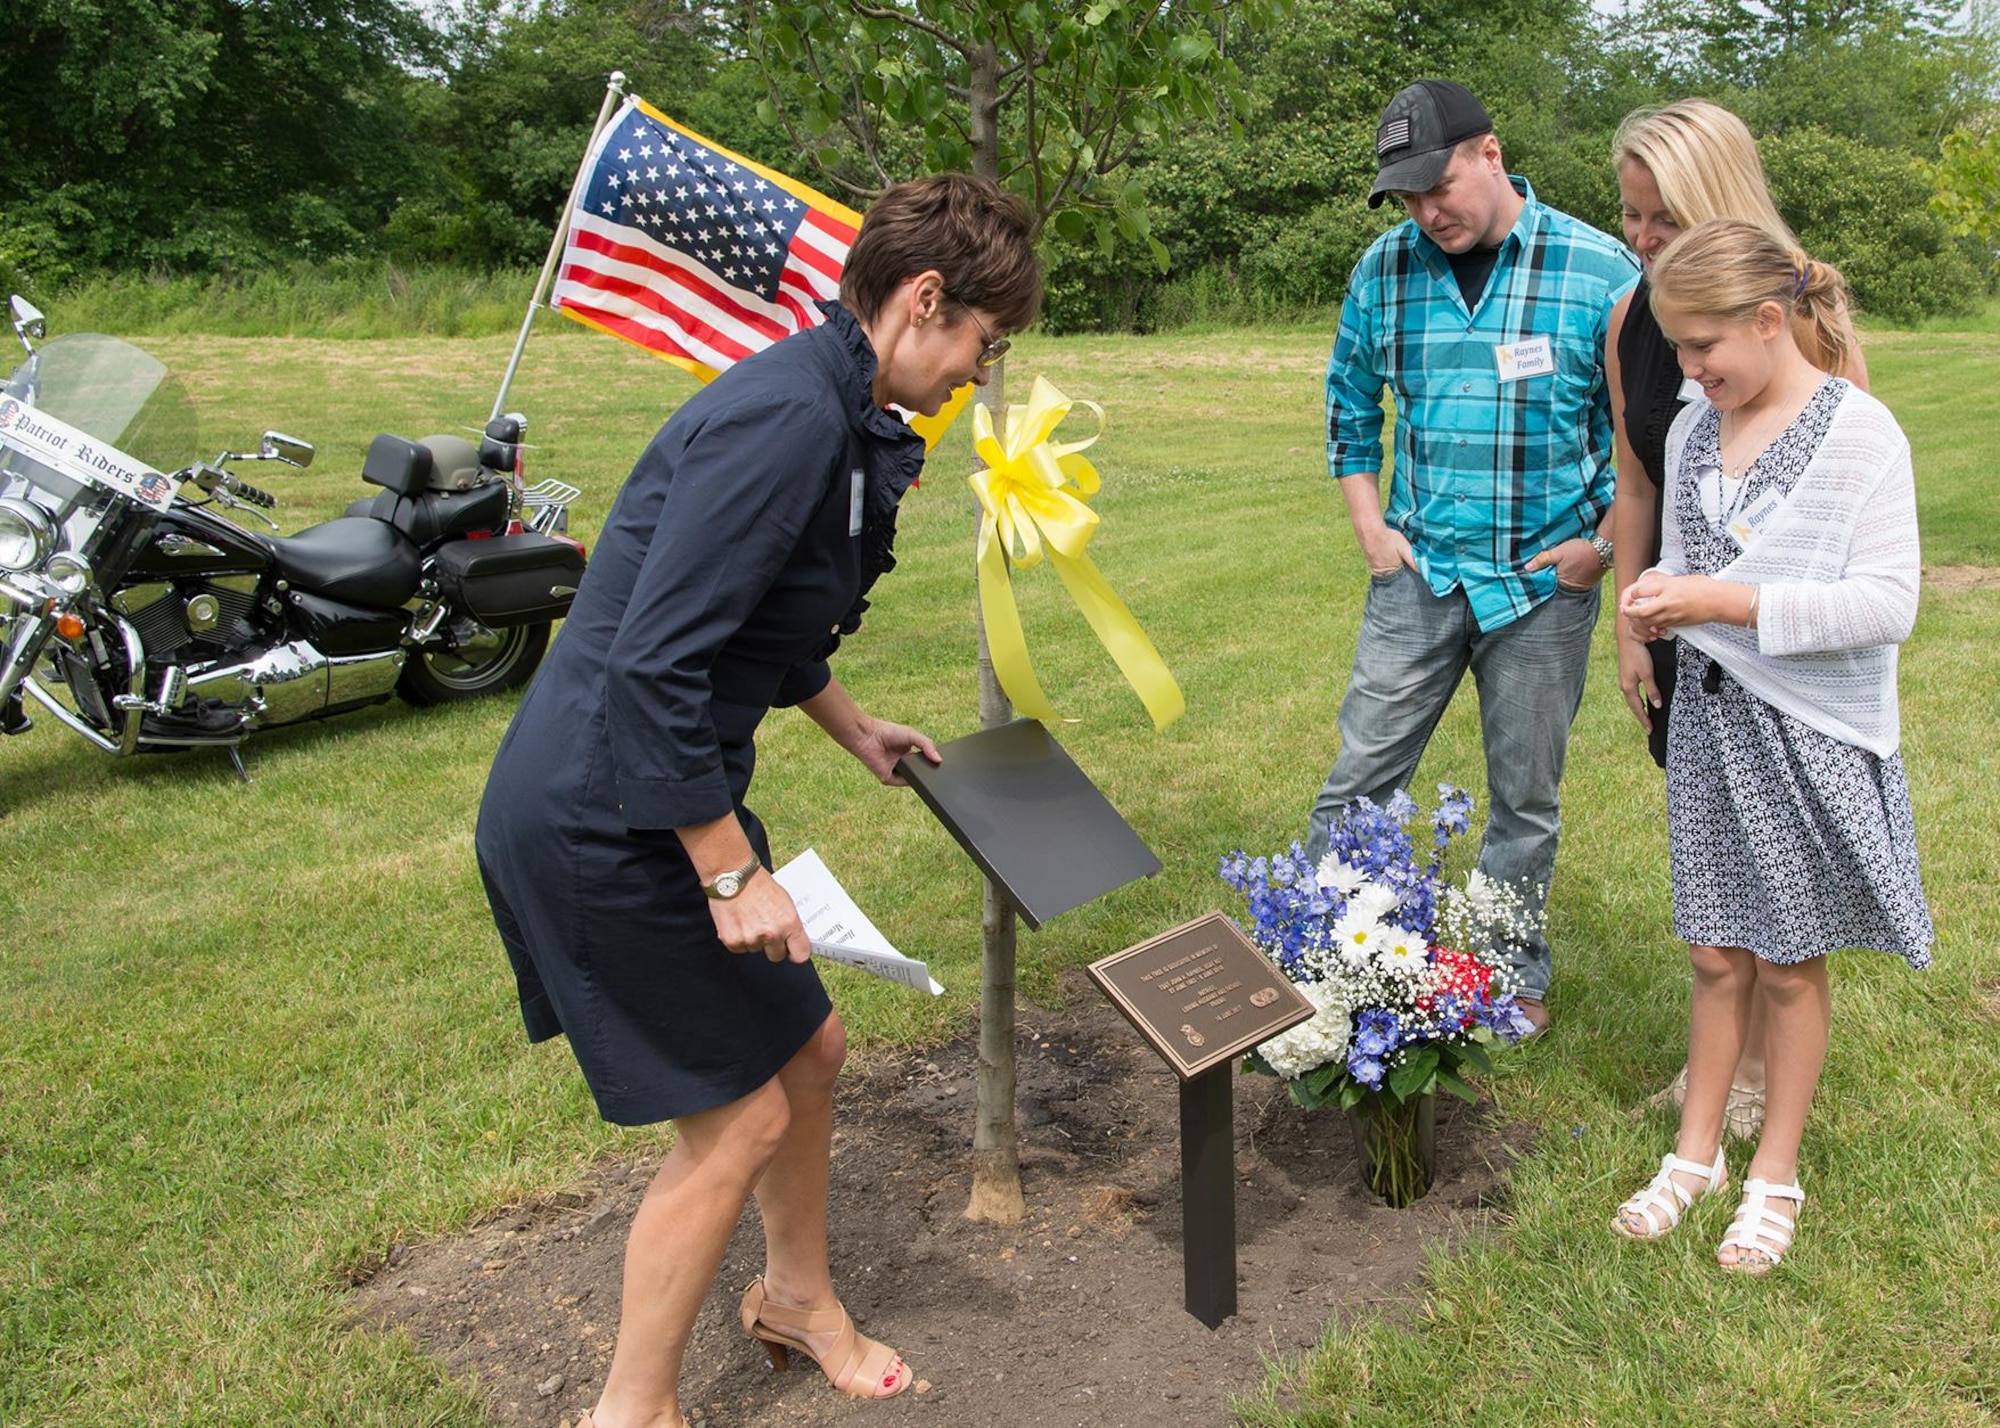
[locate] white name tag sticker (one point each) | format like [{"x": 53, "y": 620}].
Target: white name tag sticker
[
  {"x": 859, "y": 483},
  {"x": 1533, "y": 357},
  {"x": 1754, "y": 517},
  {"x": 1690, "y": 390}
]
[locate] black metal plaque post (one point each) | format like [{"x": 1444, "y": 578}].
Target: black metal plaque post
[
  {"x": 1208, "y": 1196},
  {"x": 1201, "y": 995}
]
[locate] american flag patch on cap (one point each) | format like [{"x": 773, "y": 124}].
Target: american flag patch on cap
[{"x": 1394, "y": 134}]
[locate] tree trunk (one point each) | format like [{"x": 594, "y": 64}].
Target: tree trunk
[{"x": 996, "y": 1167}]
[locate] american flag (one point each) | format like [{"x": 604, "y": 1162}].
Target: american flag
[{"x": 694, "y": 252}]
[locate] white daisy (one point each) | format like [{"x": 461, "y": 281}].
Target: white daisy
[
  {"x": 1358, "y": 939},
  {"x": 1403, "y": 954},
  {"x": 1336, "y": 875},
  {"x": 1372, "y": 901}
]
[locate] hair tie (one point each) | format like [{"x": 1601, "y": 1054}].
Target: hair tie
[{"x": 1800, "y": 278}]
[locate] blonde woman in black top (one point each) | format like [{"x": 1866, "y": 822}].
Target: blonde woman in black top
[{"x": 1679, "y": 165}]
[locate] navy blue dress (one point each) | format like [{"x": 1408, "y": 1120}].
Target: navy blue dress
[{"x": 737, "y": 554}]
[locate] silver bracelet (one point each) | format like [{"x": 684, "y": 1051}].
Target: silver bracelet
[{"x": 1750, "y": 620}]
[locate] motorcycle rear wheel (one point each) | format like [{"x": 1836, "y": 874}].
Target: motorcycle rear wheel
[{"x": 476, "y": 661}]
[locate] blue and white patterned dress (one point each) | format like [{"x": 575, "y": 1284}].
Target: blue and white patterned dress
[{"x": 1784, "y": 840}]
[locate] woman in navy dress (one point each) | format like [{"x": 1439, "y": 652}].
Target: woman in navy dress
[{"x": 627, "y": 878}]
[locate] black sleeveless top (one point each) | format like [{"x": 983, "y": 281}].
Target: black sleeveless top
[{"x": 1651, "y": 379}]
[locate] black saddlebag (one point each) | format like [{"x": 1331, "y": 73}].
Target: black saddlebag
[{"x": 510, "y": 580}]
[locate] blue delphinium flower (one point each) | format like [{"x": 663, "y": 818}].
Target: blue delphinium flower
[
  {"x": 1376, "y": 1033},
  {"x": 1290, "y": 913},
  {"x": 1365, "y": 1069}
]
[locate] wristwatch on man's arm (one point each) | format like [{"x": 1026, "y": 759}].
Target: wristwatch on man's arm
[{"x": 1602, "y": 545}]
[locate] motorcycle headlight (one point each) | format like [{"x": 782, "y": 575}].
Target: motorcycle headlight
[
  {"x": 67, "y": 572},
  {"x": 27, "y": 535}
]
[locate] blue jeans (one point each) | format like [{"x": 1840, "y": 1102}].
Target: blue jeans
[{"x": 1414, "y": 648}]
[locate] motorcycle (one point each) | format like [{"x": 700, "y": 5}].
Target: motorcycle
[{"x": 142, "y": 619}]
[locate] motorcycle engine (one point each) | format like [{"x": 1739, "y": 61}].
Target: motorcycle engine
[{"x": 212, "y": 614}]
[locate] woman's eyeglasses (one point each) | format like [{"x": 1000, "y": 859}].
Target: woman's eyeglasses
[{"x": 995, "y": 347}]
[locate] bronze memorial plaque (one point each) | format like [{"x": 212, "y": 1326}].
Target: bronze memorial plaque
[{"x": 1200, "y": 994}]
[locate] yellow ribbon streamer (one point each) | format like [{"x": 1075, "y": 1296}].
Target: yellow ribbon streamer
[
  {"x": 932, "y": 429},
  {"x": 1035, "y": 494}
]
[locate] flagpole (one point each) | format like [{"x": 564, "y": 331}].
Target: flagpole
[{"x": 613, "y": 91}]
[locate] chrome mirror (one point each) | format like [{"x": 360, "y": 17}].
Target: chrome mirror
[
  {"x": 288, "y": 449},
  {"x": 28, "y": 321}
]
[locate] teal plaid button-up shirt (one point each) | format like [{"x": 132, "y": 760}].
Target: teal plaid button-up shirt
[{"x": 1487, "y": 472}]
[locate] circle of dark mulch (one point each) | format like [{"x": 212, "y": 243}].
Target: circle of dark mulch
[{"x": 1071, "y": 1319}]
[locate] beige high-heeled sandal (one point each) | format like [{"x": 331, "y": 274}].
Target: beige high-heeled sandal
[
  {"x": 1758, "y": 1231},
  {"x": 1742, "y": 1113},
  {"x": 856, "y": 1365},
  {"x": 1662, "y": 1203}
]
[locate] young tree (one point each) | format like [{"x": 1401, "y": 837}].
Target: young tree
[
  {"x": 1967, "y": 184},
  {"x": 1052, "y": 99}
]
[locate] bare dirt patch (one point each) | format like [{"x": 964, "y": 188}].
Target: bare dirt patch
[
  {"x": 1957, "y": 579},
  {"x": 1072, "y": 1319}
]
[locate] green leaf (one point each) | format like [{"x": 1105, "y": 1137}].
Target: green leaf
[
  {"x": 1464, "y": 1090},
  {"x": 1416, "y": 1074}
]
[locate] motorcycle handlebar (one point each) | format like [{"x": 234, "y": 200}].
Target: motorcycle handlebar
[{"x": 244, "y": 491}]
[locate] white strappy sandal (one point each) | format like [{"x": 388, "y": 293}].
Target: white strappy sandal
[
  {"x": 1759, "y": 1235},
  {"x": 1661, "y": 1204}
]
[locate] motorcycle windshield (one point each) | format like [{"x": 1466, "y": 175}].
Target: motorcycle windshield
[{"x": 111, "y": 391}]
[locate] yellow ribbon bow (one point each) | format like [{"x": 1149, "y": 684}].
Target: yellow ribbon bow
[{"x": 1035, "y": 493}]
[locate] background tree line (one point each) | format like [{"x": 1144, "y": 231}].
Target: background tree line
[{"x": 236, "y": 137}]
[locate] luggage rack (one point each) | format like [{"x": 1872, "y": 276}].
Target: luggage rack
[{"x": 545, "y": 506}]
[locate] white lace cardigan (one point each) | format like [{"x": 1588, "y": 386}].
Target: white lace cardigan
[{"x": 1838, "y": 572}]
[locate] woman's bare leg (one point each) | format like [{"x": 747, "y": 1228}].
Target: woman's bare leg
[
  {"x": 676, "y": 1245},
  {"x": 792, "y": 1194}
]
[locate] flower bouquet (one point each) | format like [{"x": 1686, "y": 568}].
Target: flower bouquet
[{"x": 1381, "y": 946}]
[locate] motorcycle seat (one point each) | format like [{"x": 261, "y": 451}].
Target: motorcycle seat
[
  {"x": 431, "y": 516},
  {"x": 352, "y": 558}
]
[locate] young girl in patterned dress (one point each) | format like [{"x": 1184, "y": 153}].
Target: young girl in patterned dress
[{"x": 1789, "y": 572}]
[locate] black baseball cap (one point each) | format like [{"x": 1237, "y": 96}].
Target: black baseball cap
[{"x": 1422, "y": 124}]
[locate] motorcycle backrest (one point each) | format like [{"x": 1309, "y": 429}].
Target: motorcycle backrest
[
  {"x": 397, "y": 465},
  {"x": 500, "y": 447}
]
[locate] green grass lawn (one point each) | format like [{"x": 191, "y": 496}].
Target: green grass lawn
[{"x": 259, "y": 1033}]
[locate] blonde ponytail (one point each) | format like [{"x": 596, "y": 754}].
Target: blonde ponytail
[{"x": 1819, "y": 309}]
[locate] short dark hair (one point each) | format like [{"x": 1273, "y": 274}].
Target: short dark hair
[{"x": 978, "y": 237}]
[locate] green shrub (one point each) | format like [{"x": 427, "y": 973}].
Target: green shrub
[
  {"x": 1867, "y": 211},
  {"x": 355, "y": 299}
]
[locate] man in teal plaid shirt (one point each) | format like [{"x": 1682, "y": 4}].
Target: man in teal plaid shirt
[{"x": 1484, "y": 316}]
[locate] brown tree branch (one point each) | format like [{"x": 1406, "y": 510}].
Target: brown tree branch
[{"x": 916, "y": 22}]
